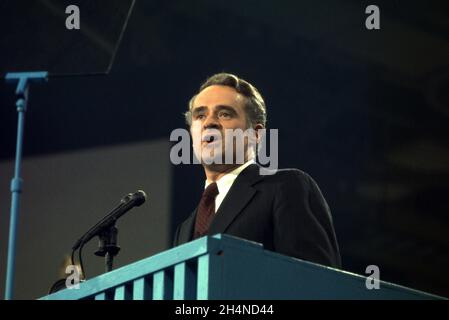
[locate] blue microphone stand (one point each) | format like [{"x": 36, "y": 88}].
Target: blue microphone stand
[{"x": 23, "y": 79}]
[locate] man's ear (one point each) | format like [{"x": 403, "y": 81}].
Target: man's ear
[{"x": 256, "y": 128}]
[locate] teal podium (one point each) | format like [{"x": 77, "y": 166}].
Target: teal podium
[{"x": 223, "y": 267}]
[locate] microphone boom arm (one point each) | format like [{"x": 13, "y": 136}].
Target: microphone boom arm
[{"x": 107, "y": 231}]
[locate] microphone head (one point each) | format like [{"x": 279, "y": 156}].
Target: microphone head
[
  {"x": 140, "y": 197},
  {"x": 137, "y": 198}
]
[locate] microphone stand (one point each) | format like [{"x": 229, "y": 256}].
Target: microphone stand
[
  {"x": 107, "y": 231},
  {"x": 107, "y": 246}
]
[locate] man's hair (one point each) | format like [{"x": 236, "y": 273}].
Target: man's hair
[{"x": 254, "y": 106}]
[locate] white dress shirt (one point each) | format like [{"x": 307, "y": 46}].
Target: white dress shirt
[{"x": 225, "y": 182}]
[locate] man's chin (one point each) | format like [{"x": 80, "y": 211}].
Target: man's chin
[
  {"x": 217, "y": 167},
  {"x": 212, "y": 161},
  {"x": 220, "y": 162},
  {"x": 217, "y": 158}
]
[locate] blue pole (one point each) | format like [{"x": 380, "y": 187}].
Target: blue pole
[
  {"x": 16, "y": 189},
  {"x": 23, "y": 80}
]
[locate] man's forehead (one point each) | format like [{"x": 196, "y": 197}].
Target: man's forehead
[{"x": 217, "y": 95}]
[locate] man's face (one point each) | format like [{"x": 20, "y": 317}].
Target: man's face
[{"x": 214, "y": 110}]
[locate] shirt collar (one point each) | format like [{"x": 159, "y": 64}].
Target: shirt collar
[{"x": 225, "y": 182}]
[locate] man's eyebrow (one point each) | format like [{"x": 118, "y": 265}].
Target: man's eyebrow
[
  {"x": 196, "y": 110},
  {"x": 225, "y": 107},
  {"x": 219, "y": 107}
]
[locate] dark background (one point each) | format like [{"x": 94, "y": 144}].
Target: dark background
[{"x": 365, "y": 112}]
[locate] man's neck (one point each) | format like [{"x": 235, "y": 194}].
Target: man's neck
[{"x": 216, "y": 171}]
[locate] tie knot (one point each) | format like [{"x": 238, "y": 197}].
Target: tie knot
[{"x": 211, "y": 191}]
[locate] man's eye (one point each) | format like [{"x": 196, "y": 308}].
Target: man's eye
[
  {"x": 224, "y": 114},
  {"x": 200, "y": 116}
]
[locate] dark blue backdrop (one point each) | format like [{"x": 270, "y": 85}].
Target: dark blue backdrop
[{"x": 364, "y": 112}]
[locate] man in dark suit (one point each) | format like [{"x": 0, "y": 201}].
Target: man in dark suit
[{"x": 284, "y": 210}]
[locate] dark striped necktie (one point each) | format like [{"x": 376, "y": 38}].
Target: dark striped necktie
[{"x": 206, "y": 210}]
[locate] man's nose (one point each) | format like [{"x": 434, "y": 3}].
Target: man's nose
[{"x": 211, "y": 122}]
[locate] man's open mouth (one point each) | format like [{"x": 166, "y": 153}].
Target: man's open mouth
[{"x": 210, "y": 138}]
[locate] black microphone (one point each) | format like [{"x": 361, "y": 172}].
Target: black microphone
[{"x": 127, "y": 203}]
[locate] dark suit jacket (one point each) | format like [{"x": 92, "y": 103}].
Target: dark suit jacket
[{"x": 286, "y": 212}]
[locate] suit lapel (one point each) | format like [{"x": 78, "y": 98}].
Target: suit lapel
[
  {"x": 239, "y": 195},
  {"x": 186, "y": 231}
]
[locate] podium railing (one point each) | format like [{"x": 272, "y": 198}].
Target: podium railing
[{"x": 225, "y": 267}]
